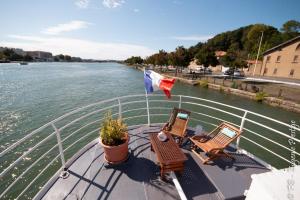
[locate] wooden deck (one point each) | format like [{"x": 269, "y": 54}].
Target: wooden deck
[{"x": 139, "y": 177}]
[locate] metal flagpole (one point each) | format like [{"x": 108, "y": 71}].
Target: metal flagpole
[
  {"x": 262, "y": 34},
  {"x": 147, "y": 102}
]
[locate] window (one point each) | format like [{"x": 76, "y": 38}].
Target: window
[
  {"x": 275, "y": 71},
  {"x": 265, "y": 70},
  {"x": 268, "y": 58},
  {"x": 278, "y": 58},
  {"x": 292, "y": 72},
  {"x": 298, "y": 47},
  {"x": 296, "y": 59}
]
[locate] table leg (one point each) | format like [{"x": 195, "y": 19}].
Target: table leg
[{"x": 162, "y": 172}]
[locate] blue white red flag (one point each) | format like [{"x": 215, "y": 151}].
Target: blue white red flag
[{"x": 154, "y": 81}]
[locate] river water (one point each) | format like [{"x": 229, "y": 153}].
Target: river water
[{"x": 32, "y": 95}]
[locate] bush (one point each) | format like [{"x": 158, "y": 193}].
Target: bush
[
  {"x": 260, "y": 96},
  {"x": 112, "y": 131},
  {"x": 234, "y": 85},
  {"x": 203, "y": 83},
  {"x": 221, "y": 89}
]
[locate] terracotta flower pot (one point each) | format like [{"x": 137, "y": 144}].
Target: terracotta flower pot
[{"x": 116, "y": 154}]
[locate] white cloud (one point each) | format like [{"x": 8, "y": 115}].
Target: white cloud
[
  {"x": 136, "y": 10},
  {"x": 201, "y": 38},
  {"x": 82, "y": 3},
  {"x": 71, "y": 26},
  {"x": 77, "y": 47},
  {"x": 112, "y": 3}
]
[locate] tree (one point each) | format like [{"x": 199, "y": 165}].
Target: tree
[
  {"x": 179, "y": 58},
  {"x": 67, "y": 58},
  {"x": 134, "y": 60},
  {"x": 206, "y": 58},
  {"x": 2, "y": 56},
  {"x": 161, "y": 58},
  {"x": 150, "y": 60},
  {"x": 240, "y": 44},
  {"x": 192, "y": 51},
  {"x": 228, "y": 60},
  {"x": 61, "y": 57},
  {"x": 28, "y": 58},
  {"x": 56, "y": 58},
  {"x": 290, "y": 29},
  {"x": 291, "y": 26}
]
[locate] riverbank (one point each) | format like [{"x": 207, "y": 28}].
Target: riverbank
[
  {"x": 273, "y": 101},
  {"x": 183, "y": 80},
  {"x": 248, "y": 91}
]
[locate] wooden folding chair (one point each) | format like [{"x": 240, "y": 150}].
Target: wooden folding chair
[
  {"x": 177, "y": 123},
  {"x": 214, "y": 143}
]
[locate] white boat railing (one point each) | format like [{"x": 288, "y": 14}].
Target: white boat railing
[{"x": 272, "y": 140}]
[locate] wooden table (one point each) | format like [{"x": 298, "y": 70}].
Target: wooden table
[{"x": 169, "y": 155}]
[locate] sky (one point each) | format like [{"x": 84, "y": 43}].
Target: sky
[{"x": 118, "y": 29}]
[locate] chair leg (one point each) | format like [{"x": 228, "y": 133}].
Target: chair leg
[
  {"x": 180, "y": 141},
  {"x": 204, "y": 160}
]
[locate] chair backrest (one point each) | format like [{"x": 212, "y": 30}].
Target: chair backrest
[
  {"x": 174, "y": 114},
  {"x": 223, "y": 135},
  {"x": 176, "y": 123}
]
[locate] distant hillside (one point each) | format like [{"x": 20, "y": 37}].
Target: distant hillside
[
  {"x": 244, "y": 41},
  {"x": 240, "y": 44}
]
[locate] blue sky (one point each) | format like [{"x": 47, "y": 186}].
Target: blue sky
[{"x": 116, "y": 29}]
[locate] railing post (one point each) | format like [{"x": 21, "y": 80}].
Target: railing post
[
  {"x": 241, "y": 128},
  {"x": 179, "y": 101},
  {"x": 120, "y": 109},
  {"x": 148, "y": 112},
  {"x": 65, "y": 172}
]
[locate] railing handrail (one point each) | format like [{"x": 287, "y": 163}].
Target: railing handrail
[
  {"x": 243, "y": 116},
  {"x": 60, "y": 118},
  {"x": 245, "y": 110},
  {"x": 130, "y": 96}
]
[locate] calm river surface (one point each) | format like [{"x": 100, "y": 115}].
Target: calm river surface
[{"x": 35, "y": 94}]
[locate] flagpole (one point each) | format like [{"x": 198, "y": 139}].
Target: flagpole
[{"x": 147, "y": 102}]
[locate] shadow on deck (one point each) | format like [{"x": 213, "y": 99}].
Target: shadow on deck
[{"x": 138, "y": 178}]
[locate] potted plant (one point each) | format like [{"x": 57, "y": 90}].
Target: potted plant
[{"x": 114, "y": 138}]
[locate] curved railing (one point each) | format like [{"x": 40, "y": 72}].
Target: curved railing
[{"x": 30, "y": 162}]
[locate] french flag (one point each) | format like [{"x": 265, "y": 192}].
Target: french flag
[{"x": 154, "y": 81}]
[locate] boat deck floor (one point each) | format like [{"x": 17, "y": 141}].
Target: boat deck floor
[{"x": 138, "y": 178}]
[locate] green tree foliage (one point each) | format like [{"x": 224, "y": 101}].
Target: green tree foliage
[
  {"x": 161, "y": 58},
  {"x": 233, "y": 59},
  {"x": 28, "y": 58},
  {"x": 3, "y": 56},
  {"x": 290, "y": 29},
  {"x": 179, "y": 58},
  {"x": 67, "y": 58},
  {"x": 134, "y": 60},
  {"x": 206, "y": 58},
  {"x": 61, "y": 57},
  {"x": 10, "y": 55},
  {"x": 240, "y": 44},
  {"x": 56, "y": 58},
  {"x": 291, "y": 26}
]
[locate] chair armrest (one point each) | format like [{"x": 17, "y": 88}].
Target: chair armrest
[
  {"x": 165, "y": 126},
  {"x": 201, "y": 138},
  {"x": 218, "y": 148}
]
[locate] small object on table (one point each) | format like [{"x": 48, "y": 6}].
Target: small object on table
[{"x": 162, "y": 136}]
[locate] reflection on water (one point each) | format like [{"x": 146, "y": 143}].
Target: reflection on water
[{"x": 34, "y": 94}]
